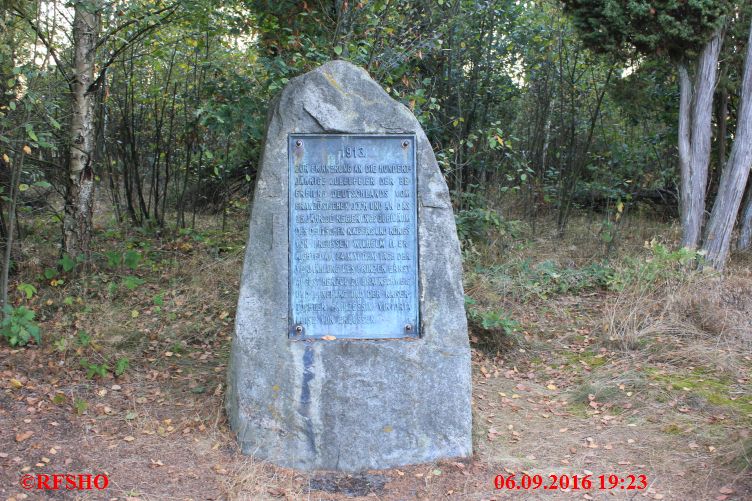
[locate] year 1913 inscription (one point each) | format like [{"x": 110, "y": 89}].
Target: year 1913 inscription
[{"x": 353, "y": 236}]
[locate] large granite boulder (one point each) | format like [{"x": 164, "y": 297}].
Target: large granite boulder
[{"x": 359, "y": 403}]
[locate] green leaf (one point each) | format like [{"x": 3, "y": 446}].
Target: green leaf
[
  {"x": 113, "y": 258},
  {"x": 121, "y": 365},
  {"x": 131, "y": 259},
  {"x": 130, "y": 282},
  {"x": 50, "y": 273},
  {"x": 27, "y": 289},
  {"x": 31, "y": 133},
  {"x": 67, "y": 263},
  {"x": 23, "y": 187},
  {"x": 338, "y": 50}
]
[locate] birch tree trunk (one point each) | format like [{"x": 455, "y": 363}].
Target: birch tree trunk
[
  {"x": 695, "y": 134},
  {"x": 79, "y": 198},
  {"x": 734, "y": 176}
]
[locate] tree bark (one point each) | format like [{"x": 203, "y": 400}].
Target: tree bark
[
  {"x": 745, "y": 233},
  {"x": 734, "y": 176},
  {"x": 79, "y": 198},
  {"x": 695, "y": 134}
]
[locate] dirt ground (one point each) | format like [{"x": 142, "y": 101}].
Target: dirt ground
[{"x": 560, "y": 401}]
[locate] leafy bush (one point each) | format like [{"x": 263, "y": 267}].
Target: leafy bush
[
  {"x": 18, "y": 325},
  {"x": 474, "y": 224}
]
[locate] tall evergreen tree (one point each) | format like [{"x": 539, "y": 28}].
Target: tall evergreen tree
[{"x": 690, "y": 34}]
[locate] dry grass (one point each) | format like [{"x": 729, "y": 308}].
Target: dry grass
[{"x": 632, "y": 350}]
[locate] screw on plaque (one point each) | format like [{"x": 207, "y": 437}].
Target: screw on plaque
[
  {"x": 405, "y": 143},
  {"x": 408, "y": 328},
  {"x": 299, "y": 143},
  {"x": 298, "y": 330}
]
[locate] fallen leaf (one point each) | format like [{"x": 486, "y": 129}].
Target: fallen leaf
[
  {"x": 329, "y": 338},
  {"x": 129, "y": 438},
  {"x": 24, "y": 436},
  {"x": 726, "y": 490}
]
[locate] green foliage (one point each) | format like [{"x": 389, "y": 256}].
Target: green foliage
[
  {"x": 27, "y": 289},
  {"x": 67, "y": 263},
  {"x": 668, "y": 27},
  {"x": 114, "y": 258},
  {"x": 131, "y": 259},
  {"x": 131, "y": 282},
  {"x": 475, "y": 224},
  {"x": 83, "y": 339},
  {"x": 80, "y": 405},
  {"x": 121, "y": 365},
  {"x": 498, "y": 319},
  {"x": 527, "y": 281},
  {"x": 662, "y": 265},
  {"x": 493, "y": 329},
  {"x": 93, "y": 370},
  {"x": 18, "y": 325}
]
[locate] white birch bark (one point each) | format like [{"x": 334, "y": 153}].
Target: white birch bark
[
  {"x": 79, "y": 199},
  {"x": 734, "y": 176},
  {"x": 694, "y": 162}
]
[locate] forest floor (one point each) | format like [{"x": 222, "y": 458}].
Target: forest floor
[{"x": 582, "y": 366}]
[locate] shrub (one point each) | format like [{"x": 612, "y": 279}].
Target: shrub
[{"x": 18, "y": 325}]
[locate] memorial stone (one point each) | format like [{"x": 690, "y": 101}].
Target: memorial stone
[{"x": 350, "y": 349}]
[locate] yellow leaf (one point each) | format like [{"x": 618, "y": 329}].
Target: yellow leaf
[
  {"x": 16, "y": 384},
  {"x": 551, "y": 387},
  {"x": 26, "y": 149},
  {"x": 6, "y": 159},
  {"x": 134, "y": 313}
]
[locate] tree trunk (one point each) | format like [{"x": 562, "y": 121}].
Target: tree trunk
[
  {"x": 745, "y": 233},
  {"x": 79, "y": 197},
  {"x": 695, "y": 134},
  {"x": 734, "y": 176}
]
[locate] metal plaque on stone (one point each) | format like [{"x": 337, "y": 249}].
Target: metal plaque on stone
[{"x": 353, "y": 243}]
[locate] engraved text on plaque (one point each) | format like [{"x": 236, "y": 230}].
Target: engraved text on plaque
[{"x": 353, "y": 243}]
